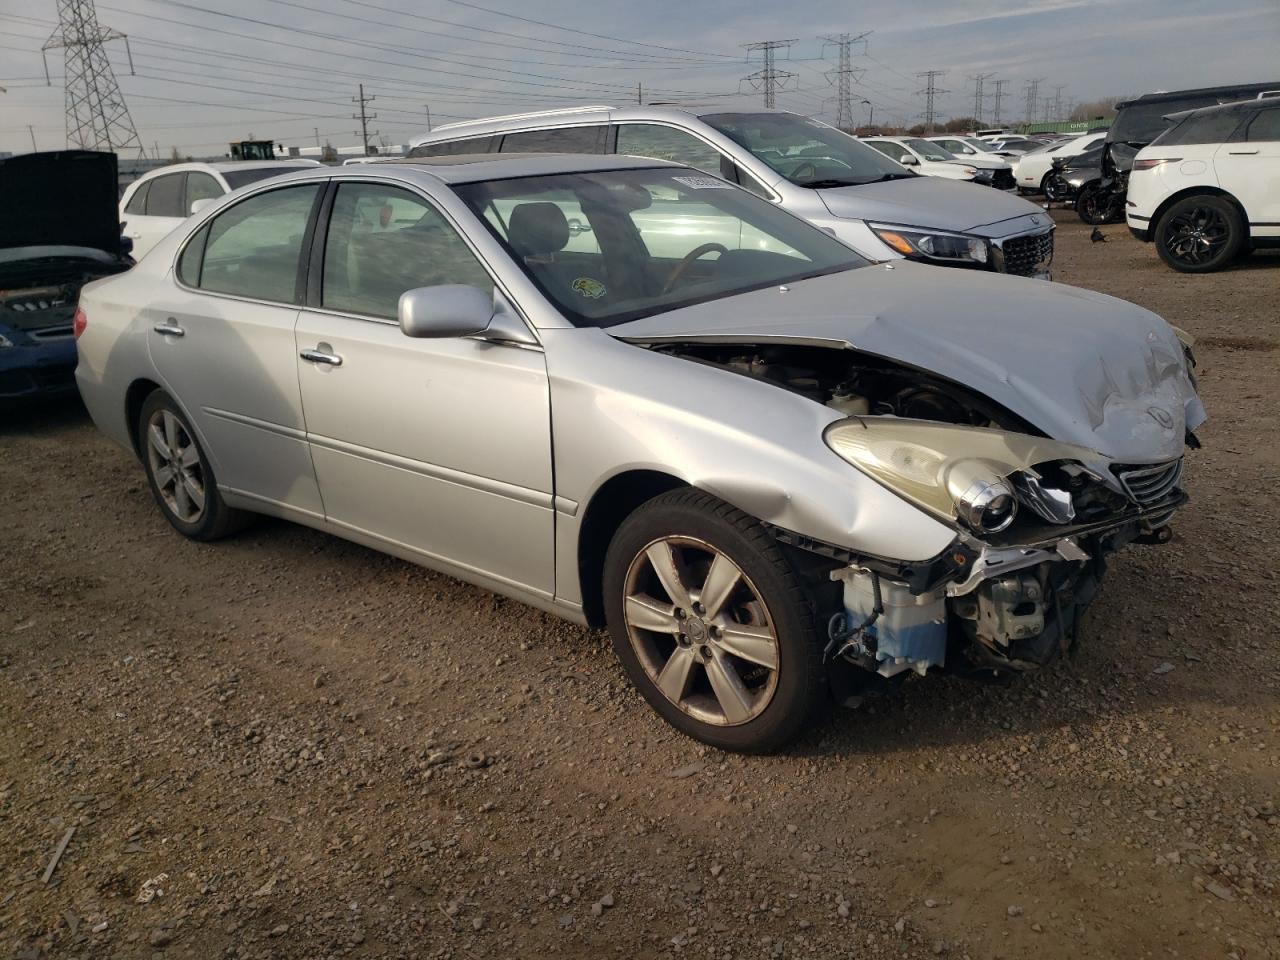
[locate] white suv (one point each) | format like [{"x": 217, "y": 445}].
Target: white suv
[{"x": 1208, "y": 188}]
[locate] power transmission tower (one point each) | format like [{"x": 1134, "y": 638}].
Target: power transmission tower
[
  {"x": 97, "y": 117},
  {"x": 931, "y": 91},
  {"x": 1057, "y": 102},
  {"x": 978, "y": 96},
  {"x": 999, "y": 96},
  {"x": 1033, "y": 98},
  {"x": 363, "y": 117},
  {"x": 844, "y": 76},
  {"x": 769, "y": 79}
]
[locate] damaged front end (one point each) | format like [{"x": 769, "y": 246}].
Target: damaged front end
[{"x": 1035, "y": 518}]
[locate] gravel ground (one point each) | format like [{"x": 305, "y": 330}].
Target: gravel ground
[{"x": 284, "y": 745}]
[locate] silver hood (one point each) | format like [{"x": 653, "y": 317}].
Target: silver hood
[
  {"x": 933, "y": 202},
  {"x": 1085, "y": 368}
]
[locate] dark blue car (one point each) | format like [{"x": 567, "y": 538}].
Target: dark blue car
[{"x": 59, "y": 229}]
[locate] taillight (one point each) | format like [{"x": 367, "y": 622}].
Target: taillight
[
  {"x": 1152, "y": 162},
  {"x": 79, "y": 323}
]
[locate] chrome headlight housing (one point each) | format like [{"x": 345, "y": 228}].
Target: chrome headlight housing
[
  {"x": 968, "y": 475},
  {"x": 936, "y": 246},
  {"x": 5, "y": 342}
]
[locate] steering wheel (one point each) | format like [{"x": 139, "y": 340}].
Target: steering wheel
[{"x": 692, "y": 255}]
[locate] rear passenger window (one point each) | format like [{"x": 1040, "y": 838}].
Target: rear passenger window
[
  {"x": 559, "y": 140},
  {"x": 138, "y": 202},
  {"x": 1265, "y": 126},
  {"x": 1215, "y": 127},
  {"x": 164, "y": 199},
  {"x": 668, "y": 143},
  {"x": 382, "y": 241},
  {"x": 201, "y": 186},
  {"x": 453, "y": 148},
  {"x": 253, "y": 249}
]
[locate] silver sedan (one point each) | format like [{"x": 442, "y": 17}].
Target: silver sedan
[{"x": 634, "y": 395}]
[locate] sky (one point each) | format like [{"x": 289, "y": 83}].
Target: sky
[{"x": 205, "y": 73}]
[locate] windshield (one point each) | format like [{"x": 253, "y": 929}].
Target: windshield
[
  {"x": 806, "y": 152},
  {"x": 979, "y": 145},
  {"x": 239, "y": 178},
  {"x": 929, "y": 150},
  {"x": 614, "y": 246}
]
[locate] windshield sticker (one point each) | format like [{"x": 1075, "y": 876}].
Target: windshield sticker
[
  {"x": 589, "y": 288},
  {"x": 703, "y": 183}
]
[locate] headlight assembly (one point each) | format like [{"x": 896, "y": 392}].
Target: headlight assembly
[
  {"x": 966, "y": 474},
  {"x": 5, "y": 342},
  {"x": 933, "y": 245}
]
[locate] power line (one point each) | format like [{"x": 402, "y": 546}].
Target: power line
[
  {"x": 96, "y": 114},
  {"x": 931, "y": 91},
  {"x": 769, "y": 79},
  {"x": 844, "y": 76}
]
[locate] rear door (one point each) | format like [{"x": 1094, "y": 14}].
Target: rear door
[
  {"x": 161, "y": 211},
  {"x": 1249, "y": 169},
  {"x": 221, "y": 337}
]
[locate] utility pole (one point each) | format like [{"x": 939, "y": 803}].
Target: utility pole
[
  {"x": 364, "y": 117},
  {"x": 769, "y": 79},
  {"x": 999, "y": 96},
  {"x": 640, "y": 94},
  {"x": 871, "y": 113},
  {"x": 1033, "y": 95},
  {"x": 32, "y": 130},
  {"x": 931, "y": 91},
  {"x": 97, "y": 117},
  {"x": 844, "y": 76},
  {"x": 978, "y": 95},
  {"x": 316, "y": 131},
  {"x": 427, "y": 107}
]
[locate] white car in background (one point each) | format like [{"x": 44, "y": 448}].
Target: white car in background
[
  {"x": 965, "y": 147},
  {"x": 924, "y": 157},
  {"x": 1208, "y": 188},
  {"x": 1030, "y": 169},
  {"x": 158, "y": 201}
]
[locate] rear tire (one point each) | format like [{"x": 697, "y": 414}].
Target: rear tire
[
  {"x": 180, "y": 475},
  {"x": 742, "y": 671},
  {"x": 1091, "y": 204},
  {"x": 1199, "y": 234}
]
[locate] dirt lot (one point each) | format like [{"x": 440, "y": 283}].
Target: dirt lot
[{"x": 321, "y": 751}]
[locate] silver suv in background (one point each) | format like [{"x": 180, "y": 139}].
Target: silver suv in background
[{"x": 868, "y": 201}]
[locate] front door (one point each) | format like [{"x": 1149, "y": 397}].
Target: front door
[
  {"x": 438, "y": 446},
  {"x": 222, "y": 339}
]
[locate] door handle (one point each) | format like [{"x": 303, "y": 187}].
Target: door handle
[
  {"x": 1242, "y": 153},
  {"x": 169, "y": 328},
  {"x": 321, "y": 356}
]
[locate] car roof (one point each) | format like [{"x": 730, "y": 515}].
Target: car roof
[
  {"x": 224, "y": 166},
  {"x": 1236, "y": 106},
  {"x": 1242, "y": 91}
]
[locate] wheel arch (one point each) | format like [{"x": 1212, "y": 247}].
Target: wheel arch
[
  {"x": 615, "y": 500},
  {"x": 134, "y": 398},
  {"x": 1205, "y": 190}
]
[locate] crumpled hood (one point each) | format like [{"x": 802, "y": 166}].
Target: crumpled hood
[
  {"x": 63, "y": 198},
  {"x": 929, "y": 202},
  {"x": 1085, "y": 368}
]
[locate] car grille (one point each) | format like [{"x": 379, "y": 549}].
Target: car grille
[
  {"x": 1149, "y": 484},
  {"x": 1003, "y": 180},
  {"x": 1024, "y": 256}
]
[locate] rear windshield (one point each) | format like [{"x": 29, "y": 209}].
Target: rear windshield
[
  {"x": 244, "y": 176},
  {"x": 806, "y": 152}
]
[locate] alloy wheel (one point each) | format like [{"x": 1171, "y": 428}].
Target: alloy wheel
[
  {"x": 1196, "y": 235},
  {"x": 176, "y": 466},
  {"x": 701, "y": 631}
]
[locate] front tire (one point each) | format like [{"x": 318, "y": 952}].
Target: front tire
[
  {"x": 1199, "y": 234},
  {"x": 712, "y": 624},
  {"x": 180, "y": 474},
  {"x": 1093, "y": 204}
]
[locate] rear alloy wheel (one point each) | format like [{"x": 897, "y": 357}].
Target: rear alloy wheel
[
  {"x": 1199, "y": 234},
  {"x": 1094, "y": 204},
  {"x": 180, "y": 475},
  {"x": 708, "y": 619}
]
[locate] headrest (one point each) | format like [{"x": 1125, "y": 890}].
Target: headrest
[{"x": 538, "y": 229}]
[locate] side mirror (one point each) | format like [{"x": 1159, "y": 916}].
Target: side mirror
[
  {"x": 198, "y": 205},
  {"x": 448, "y": 310},
  {"x": 907, "y": 160}
]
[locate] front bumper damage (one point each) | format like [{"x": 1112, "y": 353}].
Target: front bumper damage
[{"x": 981, "y": 608}]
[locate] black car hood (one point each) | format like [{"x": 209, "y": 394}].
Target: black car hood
[{"x": 65, "y": 198}]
